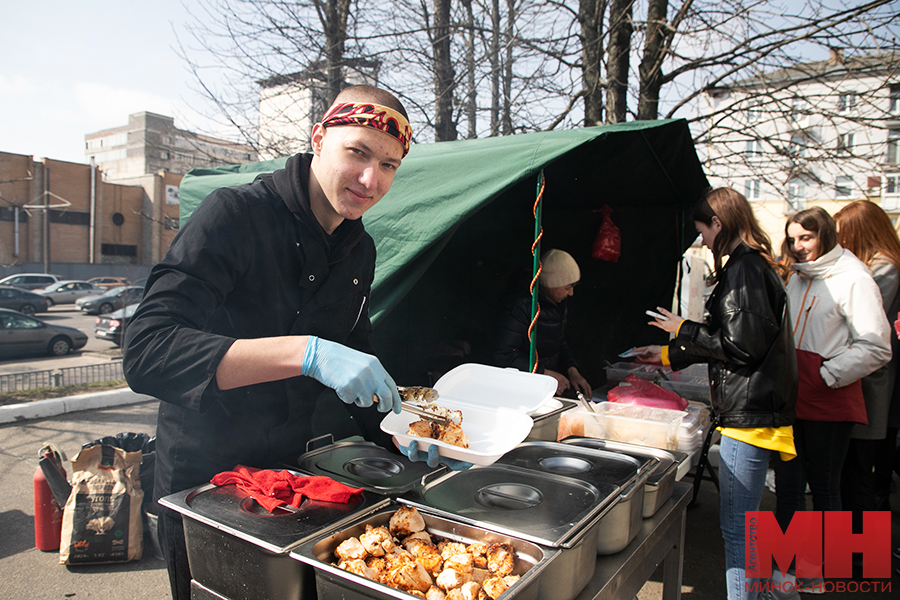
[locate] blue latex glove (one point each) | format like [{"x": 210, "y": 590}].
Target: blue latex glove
[
  {"x": 355, "y": 376},
  {"x": 432, "y": 458}
]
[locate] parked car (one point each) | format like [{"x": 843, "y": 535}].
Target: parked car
[
  {"x": 21, "y": 335},
  {"x": 108, "y": 283},
  {"x": 142, "y": 282},
  {"x": 23, "y": 301},
  {"x": 30, "y": 281},
  {"x": 67, "y": 292},
  {"x": 112, "y": 326},
  {"x": 111, "y": 300}
]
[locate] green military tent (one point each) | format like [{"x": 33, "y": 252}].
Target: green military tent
[{"x": 455, "y": 232}]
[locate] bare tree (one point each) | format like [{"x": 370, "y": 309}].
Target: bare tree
[
  {"x": 444, "y": 83},
  {"x": 618, "y": 55},
  {"x": 590, "y": 16},
  {"x": 519, "y": 65}
]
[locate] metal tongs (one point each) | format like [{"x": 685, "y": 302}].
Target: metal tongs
[
  {"x": 584, "y": 402},
  {"x": 416, "y": 400}
]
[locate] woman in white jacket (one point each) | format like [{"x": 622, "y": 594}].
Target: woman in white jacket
[{"x": 841, "y": 334}]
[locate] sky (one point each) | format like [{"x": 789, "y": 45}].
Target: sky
[{"x": 72, "y": 68}]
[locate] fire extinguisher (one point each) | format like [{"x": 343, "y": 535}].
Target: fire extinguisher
[{"x": 48, "y": 513}]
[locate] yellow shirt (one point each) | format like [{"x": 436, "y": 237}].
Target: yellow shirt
[{"x": 770, "y": 438}]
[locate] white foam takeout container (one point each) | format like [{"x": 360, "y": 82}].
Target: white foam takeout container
[{"x": 495, "y": 405}]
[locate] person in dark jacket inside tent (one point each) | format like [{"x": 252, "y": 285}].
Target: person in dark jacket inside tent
[
  {"x": 261, "y": 305},
  {"x": 512, "y": 347}
]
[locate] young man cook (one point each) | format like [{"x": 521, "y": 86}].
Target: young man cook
[{"x": 261, "y": 304}]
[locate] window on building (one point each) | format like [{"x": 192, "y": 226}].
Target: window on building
[
  {"x": 843, "y": 186},
  {"x": 164, "y": 155},
  {"x": 754, "y": 148},
  {"x": 894, "y": 107},
  {"x": 118, "y": 250},
  {"x": 751, "y": 189},
  {"x": 798, "y": 107},
  {"x": 893, "y": 146},
  {"x": 845, "y": 143},
  {"x": 890, "y": 199},
  {"x": 798, "y": 146},
  {"x": 8, "y": 213},
  {"x": 796, "y": 195},
  {"x": 754, "y": 111},
  {"x": 70, "y": 217},
  {"x": 846, "y": 102},
  {"x": 892, "y": 185}
]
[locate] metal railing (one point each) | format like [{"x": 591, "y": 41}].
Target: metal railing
[{"x": 32, "y": 380}]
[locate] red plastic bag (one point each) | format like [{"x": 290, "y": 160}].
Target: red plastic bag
[
  {"x": 608, "y": 241},
  {"x": 646, "y": 393},
  {"x": 897, "y": 325}
]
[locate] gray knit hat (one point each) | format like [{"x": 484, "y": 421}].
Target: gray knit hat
[{"x": 558, "y": 269}]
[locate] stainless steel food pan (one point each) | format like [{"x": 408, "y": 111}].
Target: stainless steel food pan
[
  {"x": 660, "y": 482},
  {"x": 359, "y": 463},
  {"x": 542, "y": 507},
  {"x": 333, "y": 583},
  {"x": 620, "y": 524},
  {"x": 239, "y": 550},
  {"x": 546, "y": 419}
]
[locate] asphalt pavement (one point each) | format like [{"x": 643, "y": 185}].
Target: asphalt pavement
[{"x": 28, "y": 573}]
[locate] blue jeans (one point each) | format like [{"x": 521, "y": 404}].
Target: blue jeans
[{"x": 742, "y": 479}]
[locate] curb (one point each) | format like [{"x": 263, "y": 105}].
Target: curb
[{"x": 52, "y": 407}]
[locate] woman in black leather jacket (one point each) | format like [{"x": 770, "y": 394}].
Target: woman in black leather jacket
[{"x": 749, "y": 347}]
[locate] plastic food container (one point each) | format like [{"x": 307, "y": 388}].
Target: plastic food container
[
  {"x": 691, "y": 383},
  {"x": 495, "y": 405},
  {"x": 645, "y": 426},
  {"x": 333, "y": 583},
  {"x": 619, "y": 371}
]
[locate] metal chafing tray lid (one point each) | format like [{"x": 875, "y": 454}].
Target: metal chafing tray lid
[
  {"x": 234, "y": 512},
  {"x": 593, "y": 465},
  {"x": 667, "y": 460},
  {"x": 363, "y": 464},
  {"x": 540, "y": 507}
]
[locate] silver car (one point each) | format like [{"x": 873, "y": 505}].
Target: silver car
[
  {"x": 67, "y": 292},
  {"x": 21, "y": 336}
]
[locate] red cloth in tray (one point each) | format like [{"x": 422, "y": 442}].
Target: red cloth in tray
[{"x": 275, "y": 488}]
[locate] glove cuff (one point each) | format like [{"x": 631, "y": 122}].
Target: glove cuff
[{"x": 309, "y": 356}]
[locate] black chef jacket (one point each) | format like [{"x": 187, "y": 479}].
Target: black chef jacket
[{"x": 252, "y": 261}]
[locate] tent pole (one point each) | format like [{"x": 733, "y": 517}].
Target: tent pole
[{"x": 535, "y": 272}]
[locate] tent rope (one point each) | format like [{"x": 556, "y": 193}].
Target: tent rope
[{"x": 536, "y": 271}]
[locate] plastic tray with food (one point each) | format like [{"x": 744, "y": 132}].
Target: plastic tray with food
[
  {"x": 492, "y": 413},
  {"x": 645, "y": 426}
]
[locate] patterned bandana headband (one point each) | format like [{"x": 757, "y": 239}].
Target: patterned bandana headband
[{"x": 380, "y": 117}]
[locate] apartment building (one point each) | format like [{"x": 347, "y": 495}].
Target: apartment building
[
  {"x": 151, "y": 143},
  {"x": 822, "y": 133}
]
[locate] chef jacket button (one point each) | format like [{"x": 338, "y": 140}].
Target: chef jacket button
[
  {"x": 312, "y": 277},
  {"x": 356, "y": 282}
]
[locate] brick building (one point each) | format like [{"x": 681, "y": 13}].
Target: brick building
[{"x": 57, "y": 212}]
